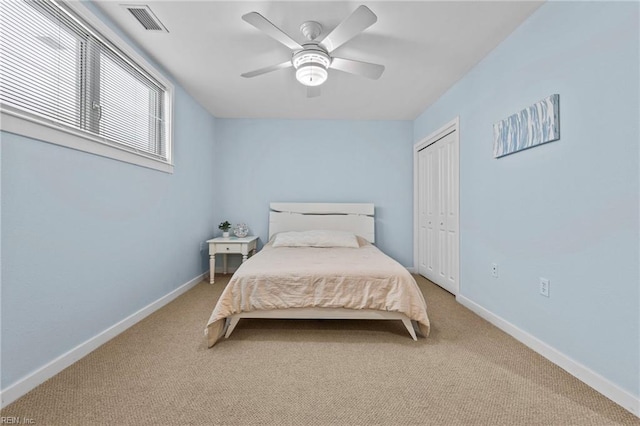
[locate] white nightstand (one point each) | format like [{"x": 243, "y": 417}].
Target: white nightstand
[{"x": 232, "y": 245}]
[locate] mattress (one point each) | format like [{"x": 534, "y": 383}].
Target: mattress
[{"x": 310, "y": 277}]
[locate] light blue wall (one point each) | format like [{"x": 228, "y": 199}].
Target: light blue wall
[
  {"x": 87, "y": 241},
  {"x": 318, "y": 161},
  {"x": 567, "y": 210}
]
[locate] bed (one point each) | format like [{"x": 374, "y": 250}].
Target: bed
[{"x": 290, "y": 280}]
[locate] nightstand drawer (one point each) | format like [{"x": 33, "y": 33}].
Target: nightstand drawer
[{"x": 228, "y": 248}]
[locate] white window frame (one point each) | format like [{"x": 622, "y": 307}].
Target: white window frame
[{"x": 13, "y": 120}]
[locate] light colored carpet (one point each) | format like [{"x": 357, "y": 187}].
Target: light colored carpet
[{"x": 315, "y": 372}]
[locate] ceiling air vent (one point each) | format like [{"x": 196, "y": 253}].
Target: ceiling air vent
[{"x": 146, "y": 17}]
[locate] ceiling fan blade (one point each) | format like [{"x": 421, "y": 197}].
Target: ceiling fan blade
[
  {"x": 313, "y": 91},
  {"x": 365, "y": 69},
  {"x": 361, "y": 19},
  {"x": 267, "y": 69},
  {"x": 264, "y": 25}
]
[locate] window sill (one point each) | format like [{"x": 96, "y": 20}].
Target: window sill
[{"x": 51, "y": 132}]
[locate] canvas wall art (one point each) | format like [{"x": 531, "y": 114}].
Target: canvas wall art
[{"x": 535, "y": 125}]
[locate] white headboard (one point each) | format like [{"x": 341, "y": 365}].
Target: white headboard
[{"x": 356, "y": 218}]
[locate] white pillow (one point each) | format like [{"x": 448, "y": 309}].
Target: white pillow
[{"x": 316, "y": 239}]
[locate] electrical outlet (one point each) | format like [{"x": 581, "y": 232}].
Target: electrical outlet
[
  {"x": 494, "y": 270},
  {"x": 544, "y": 287}
]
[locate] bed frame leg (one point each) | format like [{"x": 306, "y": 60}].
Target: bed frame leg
[
  {"x": 233, "y": 321},
  {"x": 409, "y": 326}
]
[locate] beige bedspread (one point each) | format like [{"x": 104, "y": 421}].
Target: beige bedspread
[{"x": 306, "y": 277}]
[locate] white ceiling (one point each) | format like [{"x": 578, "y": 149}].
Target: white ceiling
[{"x": 426, "y": 47}]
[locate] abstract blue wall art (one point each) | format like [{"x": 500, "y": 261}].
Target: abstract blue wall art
[{"x": 535, "y": 125}]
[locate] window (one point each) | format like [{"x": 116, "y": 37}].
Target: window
[{"x": 58, "y": 71}]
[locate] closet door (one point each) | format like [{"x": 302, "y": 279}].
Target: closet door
[
  {"x": 447, "y": 221},
  {"x": 427, "y": 181},
  {"x": 422, "y": 214},
  {"x": 438, "y": 209}
]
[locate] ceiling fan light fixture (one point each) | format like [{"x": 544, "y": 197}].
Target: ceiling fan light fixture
[
  {"x": 312, "y": 74},
  {"x": 311, "y": 59},
  {"x": 311, "y": 65},
  {"x": 311, "y": 55}
]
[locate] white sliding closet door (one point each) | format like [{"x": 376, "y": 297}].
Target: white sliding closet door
[{"x": 438, "y": 200}]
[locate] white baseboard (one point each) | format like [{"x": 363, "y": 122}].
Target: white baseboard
[
  {"x": 55, "y": 366},
  {"x": 411, "y": 270},
  {"x": 581, "y": 372}
]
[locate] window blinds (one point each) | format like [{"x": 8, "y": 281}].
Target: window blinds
[{"x": 54, "y": 67}]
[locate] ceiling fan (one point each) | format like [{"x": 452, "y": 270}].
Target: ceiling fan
[{"x": 312, "y": 59}]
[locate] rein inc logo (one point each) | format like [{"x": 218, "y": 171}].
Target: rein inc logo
[{"x": 5, "y": 420}]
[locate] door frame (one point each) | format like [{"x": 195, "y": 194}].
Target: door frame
[{"x": 451, "y": 127}]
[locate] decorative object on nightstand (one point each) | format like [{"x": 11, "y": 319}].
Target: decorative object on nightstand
[
  {"x": 241, "y": 230},
  {"x": 224, "y": 226},
  {"x": 245, "y": 246}
]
